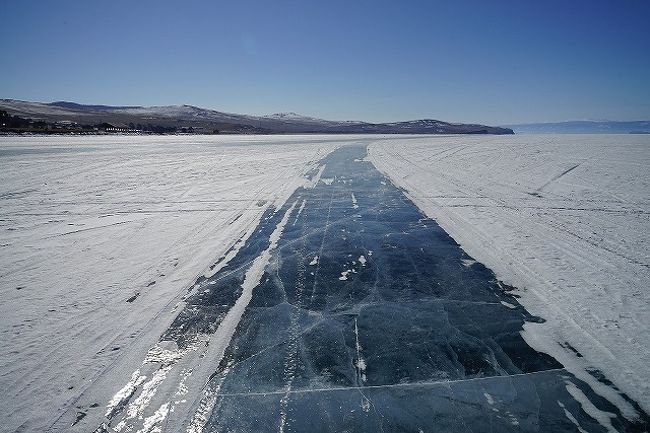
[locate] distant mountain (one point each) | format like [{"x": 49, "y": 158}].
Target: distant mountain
[
  {"x": 583, "y": 127},
  {"x": 202, "y": 119}
]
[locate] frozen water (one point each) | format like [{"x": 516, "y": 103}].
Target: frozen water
[{"x": 417, "y": 335}]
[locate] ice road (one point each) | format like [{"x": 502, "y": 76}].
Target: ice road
[{"x": 349, "y": 310}]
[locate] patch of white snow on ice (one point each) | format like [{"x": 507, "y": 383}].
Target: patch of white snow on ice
[
  {"x": 468, "y": 262},
  {"x": 354, "y": 202}
]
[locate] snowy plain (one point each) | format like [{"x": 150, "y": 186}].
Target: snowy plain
[
  {"x": 101, "y": 237},
  {"x": 565, "y": 219}
]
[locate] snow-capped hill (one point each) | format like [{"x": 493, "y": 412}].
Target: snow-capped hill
[
  {"x": 203, "y": 119},
  {"x": 421, "y": 123},
  {"x": 288, "y": 115},
  {"x": 166, "y": 111},
  {"x": 295, "y": 117}
]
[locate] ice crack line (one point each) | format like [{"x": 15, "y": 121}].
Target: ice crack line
[
  {"x": 391, "y": 385},
  {"x": 322, "y": 245}
]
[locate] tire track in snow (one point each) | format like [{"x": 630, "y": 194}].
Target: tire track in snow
[{"x": 555, "y": 178}]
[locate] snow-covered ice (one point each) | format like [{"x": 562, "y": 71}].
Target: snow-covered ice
[{"x": 566, "y": 219}]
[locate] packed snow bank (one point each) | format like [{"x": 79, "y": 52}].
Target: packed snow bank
[
  {"x": 101, "y": 236},
  {"x": 566, "y": 219}
]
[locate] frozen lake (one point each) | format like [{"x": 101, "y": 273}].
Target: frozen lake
[{"x": 326, "y": 300}]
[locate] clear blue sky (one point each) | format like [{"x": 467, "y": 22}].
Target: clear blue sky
[{"x": 494, "y": 62}]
